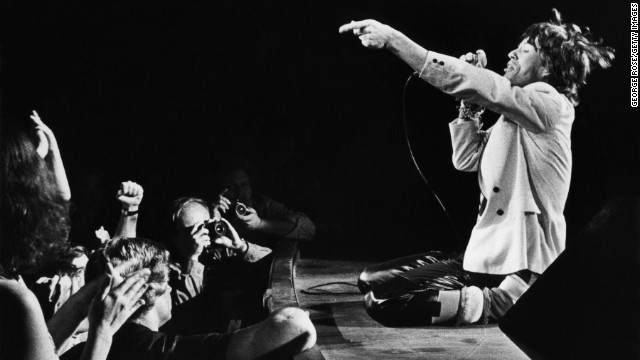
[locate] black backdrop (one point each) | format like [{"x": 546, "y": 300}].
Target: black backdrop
[{"x": 159, "y": 92}]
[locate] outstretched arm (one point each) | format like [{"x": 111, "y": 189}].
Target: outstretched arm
[
  {"x": 536, "y": 106},
  {"x": 303, "y": 228},
  {"x": 272, "y": 225},
  {"x": 130, "y": 196},
  {"x": 49, "y": 146},
  {"x": 375, "y": 35},
  {"x": 277, "y": 219}
]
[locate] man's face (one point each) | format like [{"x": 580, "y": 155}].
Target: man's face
[
  {"x": 239, "y": 186},
  {"x": 80, "y": 264},
  {"x": 193, "y": 214},
  {"x": 525, "y": 65}
]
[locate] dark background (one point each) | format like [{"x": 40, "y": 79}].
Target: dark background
[{"x": 160, "y": 92}]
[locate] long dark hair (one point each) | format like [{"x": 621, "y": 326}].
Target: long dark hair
[
  {"x": 34, "y": 218},
  {"x": 569, "y": 53}
]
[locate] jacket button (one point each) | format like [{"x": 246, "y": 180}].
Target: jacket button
[
  {"x": 441, "y": 63},
  {"x": 435, "y": 61},
  {"x": 496, "y": 189},
  {"x": 500, "y": 212}
]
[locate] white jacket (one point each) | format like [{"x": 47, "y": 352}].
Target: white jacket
[{"x": 524, "y": 162}]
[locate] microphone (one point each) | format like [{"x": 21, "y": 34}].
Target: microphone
[
  {"x": 479, "y": 59},
  {"x": 467, "y": 110}
]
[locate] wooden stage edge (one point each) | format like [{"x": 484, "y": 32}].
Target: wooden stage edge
[{"x": 327, "y": 289}]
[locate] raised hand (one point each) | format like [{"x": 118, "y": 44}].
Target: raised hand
[
  {"x": 48, "y": 145},
  {"x": 48, "y": 142},
  {"x": 371, "y": 33},
  {"x": 130, "y": 195},
  {"x": 222, "y": 206},
  {"x": 103, "y": 235}
]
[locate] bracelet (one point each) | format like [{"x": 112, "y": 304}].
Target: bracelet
[
  {"x": 469, "y": 111},
  {"x": 129, "y": 213},
  {"x": 245, "y": 250}
]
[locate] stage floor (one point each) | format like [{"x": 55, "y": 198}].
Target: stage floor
[{"x": 345, "y": 331}]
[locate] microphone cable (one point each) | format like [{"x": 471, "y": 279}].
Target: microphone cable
[{"x": 456, "y": 235}]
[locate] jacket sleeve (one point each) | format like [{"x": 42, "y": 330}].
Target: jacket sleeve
[
  {"x": 186, "y": 283},
  {"x": 467, "y": 141},
  {"x": 535, "y": 107},
  {"x": 304, "y": 228},
  {"x": 255, "y": 252}
]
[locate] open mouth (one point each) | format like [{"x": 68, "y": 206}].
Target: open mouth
[{"x": 509, "y": 67}]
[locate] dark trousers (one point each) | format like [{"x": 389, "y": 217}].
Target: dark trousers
[{"x": 409, "y": 287}]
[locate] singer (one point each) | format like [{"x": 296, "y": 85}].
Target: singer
[{"x": 524, "y": 170}]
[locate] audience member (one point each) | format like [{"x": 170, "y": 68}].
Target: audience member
[
  {"x": 190, "y": 238},
  {"x": 35, "y": 225},
  {"x": 60, "y": 277},
  {"x": 285, "y": 333},
  {"x": 263, "y": 220}
]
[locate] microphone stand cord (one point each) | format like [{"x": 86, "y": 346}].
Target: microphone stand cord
[{"x": 456, "y": 235}]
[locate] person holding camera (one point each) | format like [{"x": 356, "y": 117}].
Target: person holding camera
[
  {"x": 257, "y": 216},
  {"x": 192, "y": 236},
  {"x": 281, "y": 335}
]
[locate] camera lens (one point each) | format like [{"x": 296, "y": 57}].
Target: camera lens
[
  {"x": 218, "y": 227},
  {"x": 241, "y": 209}
]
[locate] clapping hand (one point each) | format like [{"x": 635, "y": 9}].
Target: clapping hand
[{"x": 117, "y": 299}]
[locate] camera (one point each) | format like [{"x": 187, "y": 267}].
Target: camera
[
  {"x": 239, "y": 208},
  {"x": 218, "y": 227}
]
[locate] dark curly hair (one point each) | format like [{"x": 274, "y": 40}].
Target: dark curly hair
[
  {"x": 34, "y": 218},
  {"x": 569, "y": 53},
  {"x": 63, "y": 264}
]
